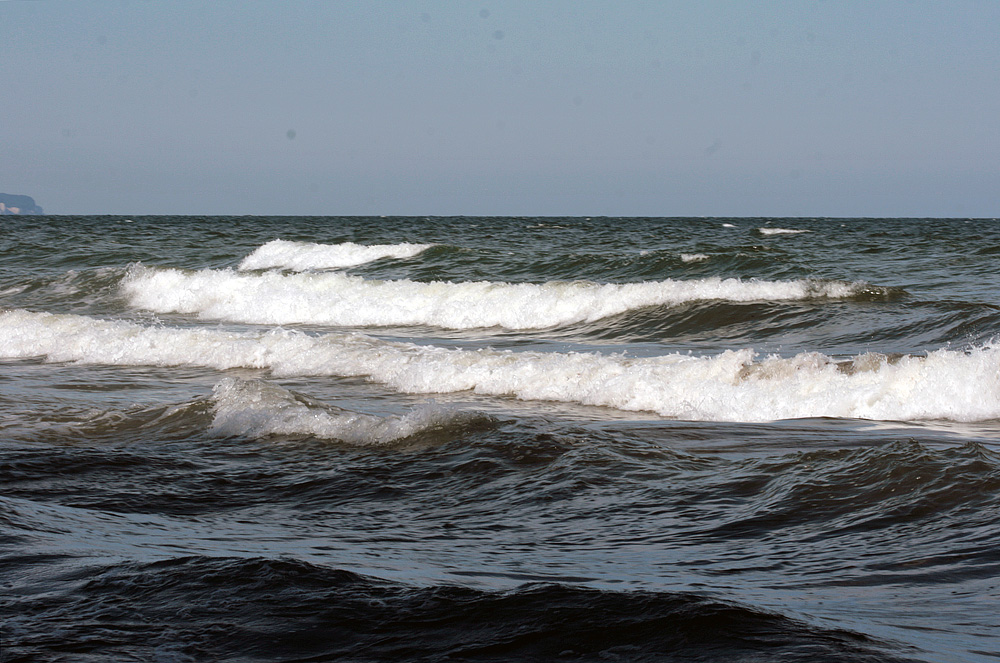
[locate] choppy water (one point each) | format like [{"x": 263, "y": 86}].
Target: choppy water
[{"x": 251, "y": 439}]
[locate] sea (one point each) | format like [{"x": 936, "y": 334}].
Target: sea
[{"x": 499, "y": 439}]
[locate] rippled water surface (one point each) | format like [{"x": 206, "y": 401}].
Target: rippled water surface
[{"x": 263, "y": 439}]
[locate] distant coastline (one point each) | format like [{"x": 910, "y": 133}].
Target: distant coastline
[{"x": 16, "y": 204}]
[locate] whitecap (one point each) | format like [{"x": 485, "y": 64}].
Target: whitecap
[
  {"x": 780, "y": 231},
  {"x": 257, "y": 408},
  {"x": 305, "y": 256},
  {"x": 333, "y": 298},
  {"x": 734, "y": 385}
]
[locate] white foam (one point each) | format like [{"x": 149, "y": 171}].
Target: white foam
[
  {"x": 305, "y": 256},
  {"x": 731, "y": 386},
  {"x": 332, "y": 298},
  {"x": 256, "y": 408},
  {"x": 693, "y": 257},
  {"x": 780, "y": 231}
]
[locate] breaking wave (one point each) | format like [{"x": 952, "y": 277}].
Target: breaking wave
[
  {"x": 731, "y": 386},
  {"x": 693, "y": 257},
  {"x": 305, "y": 256},
  {"x": 256, "y": 408},
  {"x": 343, "y": 300}
]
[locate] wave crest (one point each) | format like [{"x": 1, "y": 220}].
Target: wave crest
[
  {"x": 256, "y": 408},
  {"x": 341, "y": 300},
  {"x": 781, "y": 231},
  {"x": 305, "y": 256},
  {"x": 731, "y": 386},
  {"x": 288, "y": 609}
]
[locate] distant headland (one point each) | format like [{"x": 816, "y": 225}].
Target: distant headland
[{"x": 13, "y": 204}]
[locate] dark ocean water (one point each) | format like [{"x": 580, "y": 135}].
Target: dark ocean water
[{"x": 495, "y": 439}]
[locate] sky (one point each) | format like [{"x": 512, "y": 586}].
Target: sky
[{"x": 709, "y": 108}]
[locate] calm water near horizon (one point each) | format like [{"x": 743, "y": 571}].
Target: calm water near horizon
[{"x": 492, "y": 439}]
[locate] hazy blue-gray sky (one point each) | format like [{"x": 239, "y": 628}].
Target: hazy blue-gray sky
[{"x": 561, "y": 107}]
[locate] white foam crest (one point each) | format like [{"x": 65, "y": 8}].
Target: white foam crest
[
  {"x": 731, "y": 386},
  {"x": 338, "y": 299},
  {"x": 693, "y": 257},
  {"x": 305, "y": 256},
  {"x": 780, "y": 231},
  {"x": 256, "y": 408}
]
